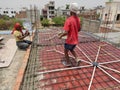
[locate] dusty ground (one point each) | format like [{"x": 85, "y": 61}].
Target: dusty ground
[{"x": 8, "y": 75}]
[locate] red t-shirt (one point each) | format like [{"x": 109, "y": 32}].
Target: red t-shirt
[{"x": 72, "y": 25}]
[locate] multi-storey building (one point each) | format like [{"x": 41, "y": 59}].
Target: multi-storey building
[
  {"x": 49, "y": 10},
  {"x": 112, "y": 11},
  {"x": 8, "y": 11}
]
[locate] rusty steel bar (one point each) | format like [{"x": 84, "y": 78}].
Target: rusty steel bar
[{"x": 69, "y": 55}]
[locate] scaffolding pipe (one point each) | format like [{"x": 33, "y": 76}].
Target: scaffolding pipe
[
  {"x": 97, "y": 54},
  {"x": 84, "y": 54},
  {"x": 73, "y": 57},
  {"x": 63, "y": 69},
  {"x": 109, "y": 74},
  {"x": 69, "y": 55},
  {"x": 109, "y": 62},
  {"x": 92, "y": 78},
  {"x": 110, "y": 54},
  {"x": 110, "y": 69}
]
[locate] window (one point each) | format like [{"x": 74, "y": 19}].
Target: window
[
  {"x": 11, "y": 11},
  {"x": 52, "y": 12},
  {"x": 118, "y": 17},
  {"x": 4, "y": 11}
]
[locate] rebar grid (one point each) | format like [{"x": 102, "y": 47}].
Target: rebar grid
[
  {"x": 46, "y": 37},
  {"x": 56, "y": 77},
  {"x": 29, "y": 78},
  {"x": 90, "y": 62}
]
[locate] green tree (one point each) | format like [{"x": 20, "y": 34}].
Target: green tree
[
  {"x": 45, "y": 22},
  {"x": 59, "y": 20},
  {"x": 12, "y": 22},
  {"x": 5, "y": 17},
  {"x": 7, "y": 23},
  {"x": 2, "y": 24}
]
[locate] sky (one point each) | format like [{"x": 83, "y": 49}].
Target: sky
[{"x": 58, "y": 3}]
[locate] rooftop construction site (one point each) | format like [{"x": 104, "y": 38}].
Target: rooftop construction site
[
  {"x": 40, "y": 67},
  {"x": 98, "y": 70}
]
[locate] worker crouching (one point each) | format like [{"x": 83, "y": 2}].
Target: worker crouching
[{"x": 20, "y": 37}]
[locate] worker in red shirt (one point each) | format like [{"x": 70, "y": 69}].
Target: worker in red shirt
[{"x": 71, "y": 29}]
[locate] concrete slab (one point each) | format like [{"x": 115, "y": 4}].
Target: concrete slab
[
  {"x": 8, "y": 75},
  {"x": 7, "y": 53}
]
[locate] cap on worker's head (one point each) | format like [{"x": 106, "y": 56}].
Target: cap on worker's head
[
  {"x": 74, "y": 7},
  {"x": 17, "y": 26}
]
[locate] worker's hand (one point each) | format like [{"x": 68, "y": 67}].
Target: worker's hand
[
  {"x": 60, "y": 35},
  {"x": 27, "y": 33}
]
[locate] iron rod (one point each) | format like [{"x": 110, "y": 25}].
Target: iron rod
[{"x": 69, "y": 55}]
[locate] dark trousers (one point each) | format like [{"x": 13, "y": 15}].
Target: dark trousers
[{"x": 23, "y": 44}]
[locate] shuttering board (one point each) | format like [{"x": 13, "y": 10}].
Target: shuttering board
[{"x": 7, "y": 53}]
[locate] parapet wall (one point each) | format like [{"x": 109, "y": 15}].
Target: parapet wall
[{"x": 91, "y": 26}]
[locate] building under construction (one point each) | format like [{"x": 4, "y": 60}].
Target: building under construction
[
  {"x": 98, "y": 50},
  {"x": 98, "y": 70}
]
